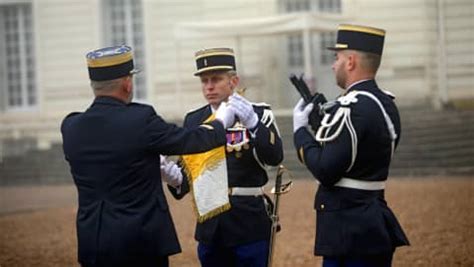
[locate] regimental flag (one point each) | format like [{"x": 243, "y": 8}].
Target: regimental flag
[{"x": 207, "y": 177}]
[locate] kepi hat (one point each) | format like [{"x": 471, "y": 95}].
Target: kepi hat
[
  {"x": 360, "y": 38},
  {"x": 110, "y": 63},
  {"x": 214, "y": 59}
]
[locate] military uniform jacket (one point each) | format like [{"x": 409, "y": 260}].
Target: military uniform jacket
[
  {"x": 354, "y": 221},
  {"x": 113, "y": 151},
  {"x": 247, "y": 220}
]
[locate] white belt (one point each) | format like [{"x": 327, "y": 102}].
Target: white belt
[
  {"x": 362, "y": 185},
  {"x": 246, "y": 191}
]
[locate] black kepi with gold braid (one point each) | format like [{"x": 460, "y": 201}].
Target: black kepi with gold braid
[
  {"x": 110, "y": 63},
  {"x": 214, "y": 59},
  {"x": 360, "y": 38}
]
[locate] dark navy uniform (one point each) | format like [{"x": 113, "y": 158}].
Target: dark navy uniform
[
  {"x": 239, "y": 236},
  {"x": 113, "y": 151},
  {"x": 350, "y": 157},
  {"x": 358, "y": 146},
  {"x": 247, "y": 221}
]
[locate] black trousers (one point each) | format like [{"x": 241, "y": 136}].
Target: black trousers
[
  {"x": 158, "y": 262},
  {"x": 380, "y": 260}
]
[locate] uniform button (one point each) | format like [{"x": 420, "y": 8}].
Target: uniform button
[{"x": 322, "y": 206}]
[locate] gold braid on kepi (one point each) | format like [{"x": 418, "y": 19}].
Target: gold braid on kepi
[
  {"x": 110, "y": 63},
  {"x": 214, "y": 59}
]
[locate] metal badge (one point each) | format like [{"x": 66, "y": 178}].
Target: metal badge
[{"x": 238, "y": 139}]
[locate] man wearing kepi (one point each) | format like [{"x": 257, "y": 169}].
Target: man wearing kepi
[
  {"x": 113, "y": 149},
  {"x": 350, "y": 157},
  {"x": 240, "y": 235}
]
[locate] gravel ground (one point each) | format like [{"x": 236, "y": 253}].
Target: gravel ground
[{"x": 37, "y": 224}]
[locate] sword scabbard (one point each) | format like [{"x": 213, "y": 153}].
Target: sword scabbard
[{"x": 277, "y": 191}]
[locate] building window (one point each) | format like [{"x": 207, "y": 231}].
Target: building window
[
  {"x": 295, "y": 41},
  {"x": 330, "y": 6},
  {"x": 17, "y": 67},
  {"x": 295, "y": 50},
  {"x": 297, "y": 5},
  {"x": 327, "y": 39},
  {"x": 123, "y": 25}
]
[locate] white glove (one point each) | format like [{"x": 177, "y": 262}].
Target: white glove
[
  {"x": 225, "y": 115},
  {"x": 170, "y": 172},
  {"x": 301, "y": 114},
  {"x": 244, "y": 110}
]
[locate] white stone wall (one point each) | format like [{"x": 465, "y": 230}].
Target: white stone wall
[
  {"x": 66, "y": 30},
  {"x": 459, "y": 18},
  {"x": 175, "y": 89}
]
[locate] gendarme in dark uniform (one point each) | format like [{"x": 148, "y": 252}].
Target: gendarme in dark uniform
[
  {"x": 350, "y": 157},
  {"x": 113, "y": 151},
  {"x": 240, "y": 235}
]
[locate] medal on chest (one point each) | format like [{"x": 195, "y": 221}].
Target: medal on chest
[{"x": 237, "y": 139}]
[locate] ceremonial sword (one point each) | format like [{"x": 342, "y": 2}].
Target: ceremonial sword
[{"x": 280, "y": 188}]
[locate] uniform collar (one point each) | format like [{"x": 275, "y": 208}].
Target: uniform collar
[
  {"x": 212, "y": 109},
  {"x": 108, "y": 100},
  {"x": 362, "y": 85}
]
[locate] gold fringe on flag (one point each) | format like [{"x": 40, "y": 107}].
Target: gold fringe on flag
[{"x": 207, "y": 178}]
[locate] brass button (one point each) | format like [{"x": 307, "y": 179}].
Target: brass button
[{"x": 322, "y": 206}]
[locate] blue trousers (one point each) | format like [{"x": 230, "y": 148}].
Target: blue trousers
[
  {"x": 383, "y": 260},
  {"x": 248, "y": 255}
]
